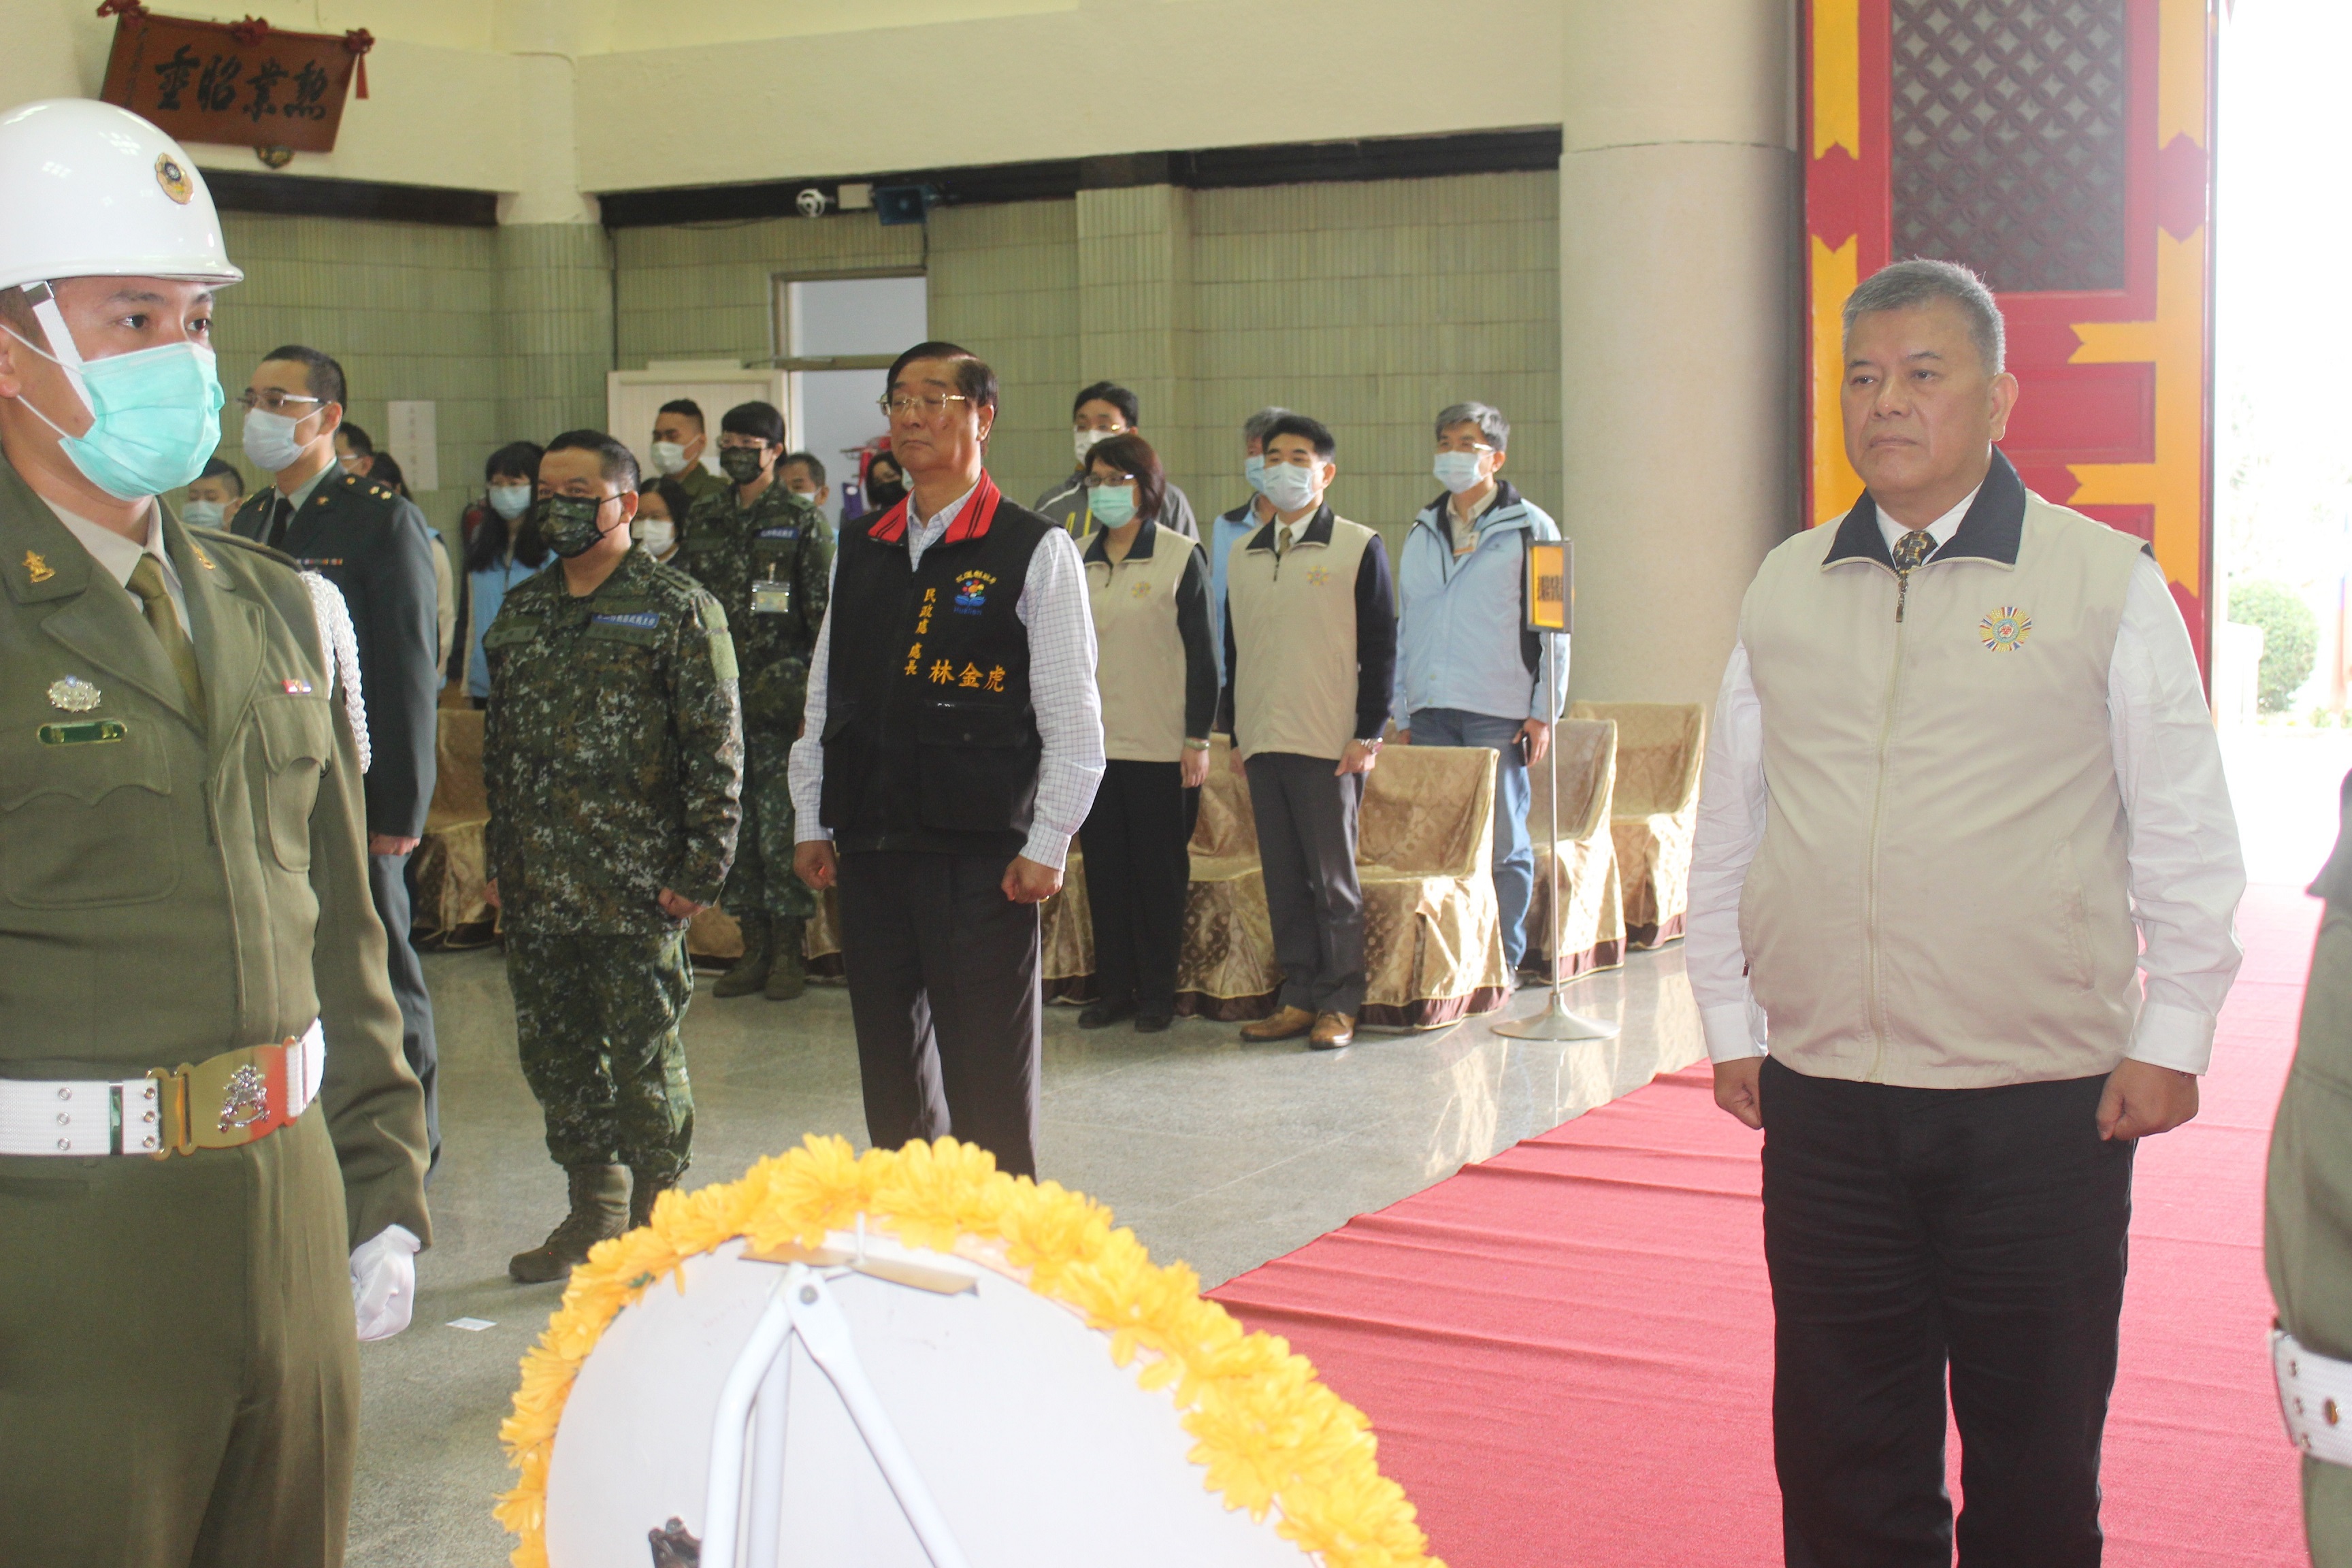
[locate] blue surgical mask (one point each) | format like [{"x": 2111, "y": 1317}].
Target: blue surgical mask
[
  {"x": 510, "y": 502},
  {"x": 1254, "y": 471},
  {"x": 1289, "y": 486},
  {"x": 1458, "y": 471},
  {"x": 203, "y": 513},
  {"x": 155, "y": 417},
  {"x": 1113, "y": 505},
  {"x": 268, "y": 440}
]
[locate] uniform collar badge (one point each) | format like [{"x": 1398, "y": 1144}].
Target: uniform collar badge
[
  {"x": 37, "y": 569},
  {"x": 203, "y": 560},
  {"x": 73, "y": 694}
]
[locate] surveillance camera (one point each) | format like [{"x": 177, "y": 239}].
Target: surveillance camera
[{"x": 813, "y": 203}]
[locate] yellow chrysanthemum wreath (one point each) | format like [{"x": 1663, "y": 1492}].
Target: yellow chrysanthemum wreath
[{"x": 1268, "y": 1434}]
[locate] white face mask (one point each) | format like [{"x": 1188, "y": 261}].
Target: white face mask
[
  {"x": 1086, "y": 441},
  {"x": 510, "y": 502},
  {"x": 268, "y": 440},
  {"x": 203, "y": 513},
  {"x": 1290, "y": 487},
  {"x": 656, "y": 535},
  {"x": 669, "y": 457},
  {"x": 1458, "y": 471},
  {"x": 1254, "y": 472}
]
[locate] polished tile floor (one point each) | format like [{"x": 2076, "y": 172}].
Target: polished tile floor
[{"x": 1216, "y": 1152}]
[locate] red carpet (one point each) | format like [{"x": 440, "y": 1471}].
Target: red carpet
[{"x": 1566, "y": 1351}]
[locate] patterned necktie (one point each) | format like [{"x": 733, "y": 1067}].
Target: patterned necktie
[
  {"x": 163, "y": 620},
  {"x": 1912, "y": 549}
]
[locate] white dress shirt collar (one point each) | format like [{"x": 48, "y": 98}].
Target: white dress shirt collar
[
  {"x": 1942, "y": 528},
  {"x": 924, "y": 533}
]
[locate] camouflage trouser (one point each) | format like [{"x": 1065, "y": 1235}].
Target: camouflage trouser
[
  {"x": 596, "y": 1019},
  {"x": 762, "y": 881}
]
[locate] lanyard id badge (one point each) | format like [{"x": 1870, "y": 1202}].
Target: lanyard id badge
[{"x": 771, "y": 596}]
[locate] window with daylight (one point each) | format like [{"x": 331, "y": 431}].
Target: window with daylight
[{"x": 836, "y": 337}]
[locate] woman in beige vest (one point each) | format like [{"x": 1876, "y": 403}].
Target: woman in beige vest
[{"x": 1155, "y": 669}]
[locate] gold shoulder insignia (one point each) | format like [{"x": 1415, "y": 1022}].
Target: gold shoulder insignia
[
  {"x": 203, "y": 560},
  {"x": 36, "y": 569},
  {"x": 322, "y": 494}
]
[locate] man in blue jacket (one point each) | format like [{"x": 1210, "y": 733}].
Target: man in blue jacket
[
  {"x": 1468, "y": 671},
  {"x": 1229, "y": 528}
]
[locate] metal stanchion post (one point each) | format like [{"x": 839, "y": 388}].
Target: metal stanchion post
[{"x": 1555, "y": 1021}]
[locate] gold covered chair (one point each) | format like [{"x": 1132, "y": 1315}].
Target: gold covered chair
[
  {"x": 1432, "y": 939},
  {"x": 1225, "y": 968},
  {"x": 1654, "y": 813},
  {"x": 452, "y": 909},
  {"x": 1592, "y": 934}
]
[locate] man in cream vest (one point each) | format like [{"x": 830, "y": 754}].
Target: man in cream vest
[
  {"x": 1310, "y": 651},
  {"x": 1962, "y": 769}
]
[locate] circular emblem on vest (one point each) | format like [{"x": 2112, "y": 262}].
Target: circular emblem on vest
[
  {"x": 1143, "y": 590},
  {"x": 2006, "y": 629},
  {"x": 1317, "y": 576}
]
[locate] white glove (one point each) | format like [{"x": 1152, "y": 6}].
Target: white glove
[{"x": 384, "y": 1282}]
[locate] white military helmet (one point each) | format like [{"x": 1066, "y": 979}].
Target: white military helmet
[{"x": 88, "y": 190}]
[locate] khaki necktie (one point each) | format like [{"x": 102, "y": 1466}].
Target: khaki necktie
[
  {"x": 1283, "y": 538},
  {"x": 163, "y": 620}
]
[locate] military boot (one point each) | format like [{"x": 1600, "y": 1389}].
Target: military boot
[
  {"x": 643, "y": 1189},
  {"x": 598, "y": 1211},
  {"x": 750, "y": 971},
  {"x": 787, "y": 977}
]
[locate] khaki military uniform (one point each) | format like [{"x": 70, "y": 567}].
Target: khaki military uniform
[
  {"x": 2308, "y": 1218},
  {"x": 611, "y": 750},
  {"x": 179, "y": 1377},
  {"x": 772, "y": 566}
]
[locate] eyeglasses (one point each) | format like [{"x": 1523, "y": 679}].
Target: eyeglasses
[
  {"x": 271, "y": 400},
  {"x": 1095, "y": 482},
  {"x": 929, "y": 405}
]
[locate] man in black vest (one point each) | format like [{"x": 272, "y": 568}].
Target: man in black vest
[
  {"x": 374, "y": 545},
  {"x": 952, "y": 745}
]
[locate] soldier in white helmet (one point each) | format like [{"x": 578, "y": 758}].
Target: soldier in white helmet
[{"x": 210, "y": 1152}]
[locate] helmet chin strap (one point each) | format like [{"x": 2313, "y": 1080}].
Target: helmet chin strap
[{"x": 68, "y": 355}]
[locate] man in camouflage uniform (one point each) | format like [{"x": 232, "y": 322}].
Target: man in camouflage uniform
[
  {"x": 612, "y": 752},
  {"x": 766, "y": 551}
]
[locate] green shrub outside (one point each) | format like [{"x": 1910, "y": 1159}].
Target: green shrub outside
[{"x": 2290, "y": 639}]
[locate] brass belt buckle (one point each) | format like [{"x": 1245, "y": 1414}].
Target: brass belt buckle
[
  {"x": 172, "y": 1097},
  {"x": 220, "y": 1102}
]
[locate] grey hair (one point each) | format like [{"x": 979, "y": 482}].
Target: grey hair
[
  {"x": 1254, "y": 428},
  {"x": 1907, "y": 285},
  {"x": 1485, "y": 416}
]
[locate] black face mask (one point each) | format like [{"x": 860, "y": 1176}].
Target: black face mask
[
  {"x": 886, "y": 493},
  {"x": 742, "y": 464},
  {"x": 570, "y": 523}
]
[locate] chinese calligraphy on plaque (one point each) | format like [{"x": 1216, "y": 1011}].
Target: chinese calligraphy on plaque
[{"x": 246, "y": 83}]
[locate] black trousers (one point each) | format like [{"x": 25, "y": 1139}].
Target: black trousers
[
  {"x": 943, "y": 993},
  {"x": 1137, "y": 872},
  {"x": 1915, "y": 1236},
  {"x": 388, "y": 883},
  {"x": 1305, "y": 815}
]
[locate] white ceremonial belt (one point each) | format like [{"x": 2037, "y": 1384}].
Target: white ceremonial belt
[
  {"x": 236, "y": 1098},
  {"x": 2316, "y": 1398}
]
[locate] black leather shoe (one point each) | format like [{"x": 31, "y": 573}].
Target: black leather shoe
[
  {"x": 1152, "y": 1022},
  {"x": 1104, "y": 1014}
]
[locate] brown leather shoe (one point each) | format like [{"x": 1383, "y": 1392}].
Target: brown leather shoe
[
  {"x": 1331, "y": 1031},
  {"x": 1288, "y": 1024}
]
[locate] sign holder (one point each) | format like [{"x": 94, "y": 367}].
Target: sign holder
[{"x": 1550, "y": 600}]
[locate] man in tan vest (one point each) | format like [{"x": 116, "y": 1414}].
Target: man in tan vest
[
  {"x": 1962, "y": 769},
  {"x": 1310, "y": 651}
]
